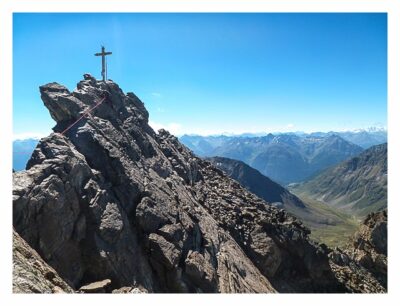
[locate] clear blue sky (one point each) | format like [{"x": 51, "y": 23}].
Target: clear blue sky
[{"x": 213, "y": 73}]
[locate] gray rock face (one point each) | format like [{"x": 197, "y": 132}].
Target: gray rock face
[
  {"x": 69, "y": 214},
  {"x": 111, "y": 199}
]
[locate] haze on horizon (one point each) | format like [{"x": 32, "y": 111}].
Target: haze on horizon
[{"x": 212, "y": 73}]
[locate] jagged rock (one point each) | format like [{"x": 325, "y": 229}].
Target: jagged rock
[
  {"x": 369, "y": 246},
  {"x": 200, "y": 271},
  {"x": 232, "y": 265},
  {"x": 267, "y": 251},
  {"x": 96, "y": 287},
  {"x": 352, "y": 275},
  {"x": 68, "y": 213},
  {"x": 31, "y": 274},
  {"x": 163, "y": 251},
  {"x": 362, "y": 266},
  {"x": 112, "y": 199},
  {"x": 61, "y": 104}
]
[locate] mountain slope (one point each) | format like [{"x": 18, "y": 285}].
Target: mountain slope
[
  {"x": 111, "y": 202},
  {"x": 285, "y": 158},
  {"x": 327, "y": 224},
  {"x": 358, "y": 185},
  {"x": 257, "y": 183},
  {"x": 148, "y": 213}
]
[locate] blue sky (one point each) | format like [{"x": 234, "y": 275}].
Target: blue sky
[{"x": 212, "y": 73}]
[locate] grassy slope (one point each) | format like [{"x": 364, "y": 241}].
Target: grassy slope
[
  {"x": 327, "y": 224},
  {"x": 358, "y": 185}
]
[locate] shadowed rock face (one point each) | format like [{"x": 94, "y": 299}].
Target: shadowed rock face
[{"x": 112, "y": 200}]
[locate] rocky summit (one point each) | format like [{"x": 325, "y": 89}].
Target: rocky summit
[{"x": 108, "y": 205}]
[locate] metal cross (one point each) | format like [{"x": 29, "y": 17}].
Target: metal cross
[{"x": 103, "y": 62}]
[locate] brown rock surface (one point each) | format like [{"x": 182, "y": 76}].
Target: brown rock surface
[
  {"x": 362, "y": 266},
  {"x": 96, "y": 287},
  {"x": 31, "y": 274}
]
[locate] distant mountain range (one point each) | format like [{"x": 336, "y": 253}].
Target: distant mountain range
[
  {"x": 358, "y": 185},
  {"x": 22, "y": 150},
  {"x": 205, "y": 145},
  {"x": 364, "y": 138},
  {"x": 285, "y": 158}
]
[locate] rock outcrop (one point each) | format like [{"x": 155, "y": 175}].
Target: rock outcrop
[
  {"x": 369, "y": 247},
  {"x": 110, "y": 199},
  {"x": 362, "y": 266}
]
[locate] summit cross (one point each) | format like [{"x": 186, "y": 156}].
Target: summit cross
[{"x": 103, "y": 62}]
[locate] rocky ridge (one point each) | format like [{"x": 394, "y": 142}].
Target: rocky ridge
[
  {"x": 370, "y": 245},
  {"x": 110, "y": 199},
  {"x": 362, "y": 266},
  {"x": 257, "y": 183}
]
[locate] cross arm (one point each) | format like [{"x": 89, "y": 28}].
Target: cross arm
[{"x": 102, "y": 54}]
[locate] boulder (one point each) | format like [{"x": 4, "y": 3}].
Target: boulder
[{"x": 96, "y": 287}]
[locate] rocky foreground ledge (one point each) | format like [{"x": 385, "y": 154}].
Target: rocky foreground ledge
[{"x": 112, "y": 206}]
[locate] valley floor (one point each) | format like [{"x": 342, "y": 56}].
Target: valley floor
[{"x": 328, "y": 224}]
